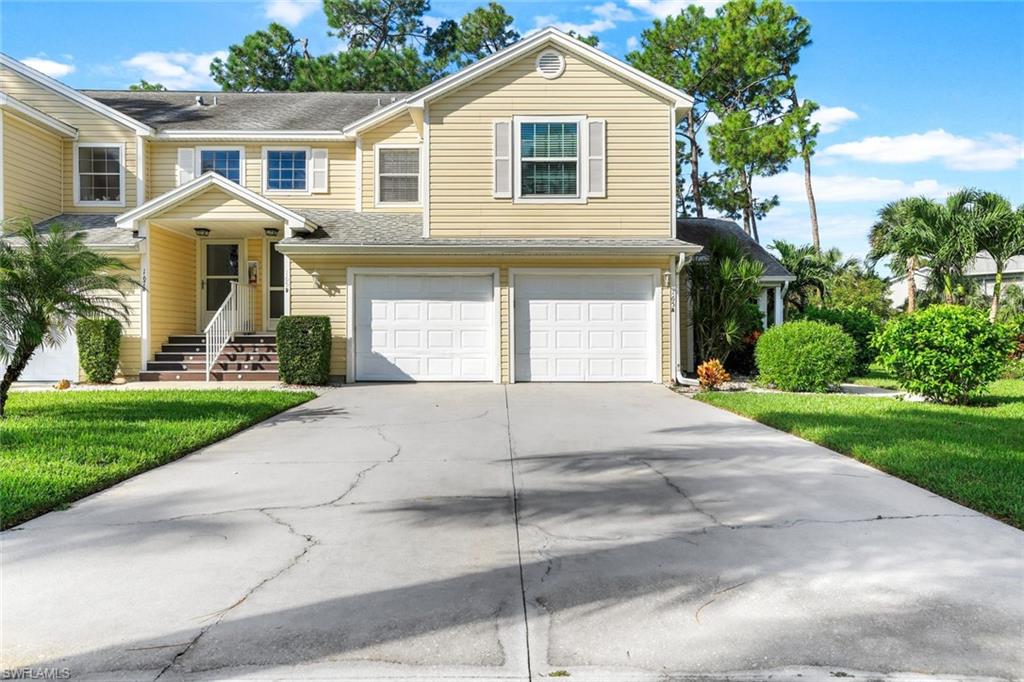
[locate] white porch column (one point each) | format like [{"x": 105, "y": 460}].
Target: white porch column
[
  {"x": 762, "y": 305},
  {"x": 778, "y": 305}
]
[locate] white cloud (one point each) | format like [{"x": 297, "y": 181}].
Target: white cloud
[
  {"x": 432, "y": 22},
  {"x": 175, "y": 70},
  {"x": 632, "y": 43},
  {"x": 993, "y": 152},
  {"x": 606, "y": 16},
  {"x": 664, "y": 8},
  {"x": 832, "y": 118},
  {"x": 49, "y": 67},
  {"x": 847, "y": 188},
  {"x": 290, "y": 12}
]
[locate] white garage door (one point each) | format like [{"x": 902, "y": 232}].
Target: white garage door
[
  {"x": 52, "y": 364},
  {"x": 424, "y": 328},
  {"x": 584, "y": 328}
]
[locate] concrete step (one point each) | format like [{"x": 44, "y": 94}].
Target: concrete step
[
  {"x": 200, "y": 366},
  {"x": 215, "y": 375}
]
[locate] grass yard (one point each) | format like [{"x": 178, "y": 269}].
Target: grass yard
[
  {"x": 972, "y": 455},
  {"x": 876, "y": 376},
  {"x": 57, "y": 447}
]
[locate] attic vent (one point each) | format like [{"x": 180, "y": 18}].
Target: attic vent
[{"x": 550, "y": 64}]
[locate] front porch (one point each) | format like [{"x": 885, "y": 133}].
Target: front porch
[{"x": 215, "y": 284}]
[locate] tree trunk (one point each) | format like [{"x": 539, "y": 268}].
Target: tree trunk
[
  {"x": 19, "y": 359},
  {"x": 691, "y": 135},
  {"x": 805, "y": 153},
  {"x": 947, "y": 289},
  {"x": 911, "y": 284},
  {"x": 750, "y": 207},
  {"x": 997, "y": 287}
]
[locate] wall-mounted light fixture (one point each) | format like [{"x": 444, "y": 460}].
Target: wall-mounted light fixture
[
  {"x": 201, "y": 231},
  {"x": 316, "y": 279},
  {"x": 271, "y": 231}
]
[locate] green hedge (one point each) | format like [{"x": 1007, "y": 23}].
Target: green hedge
[
  {"x": 304, "y": 349},
  {"x": 860, "y": 324},
  {"x": 804, "y": 356},
  {"x": 947, "y": 353},
  {"x": 99, "y": 348}
]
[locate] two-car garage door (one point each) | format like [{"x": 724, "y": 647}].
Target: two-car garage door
[{"x": 594, "y": 326}]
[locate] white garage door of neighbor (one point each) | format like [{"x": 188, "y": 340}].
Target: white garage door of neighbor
[
  {"x": 52, "y": 363},
  {"x": 584, "y": 328},
  {"x": 424, "y": 328}
]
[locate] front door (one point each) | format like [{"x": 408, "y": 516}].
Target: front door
[
  {"x": 275, "y": 287},
  {"x": 221, "y": 260}
]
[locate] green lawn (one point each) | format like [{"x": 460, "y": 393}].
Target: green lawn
[
  {"x": 973, "y": 455},
  {"x": 57, "y": 447},
  {"x": 876, "y": 376}
]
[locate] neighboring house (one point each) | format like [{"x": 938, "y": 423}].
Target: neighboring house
[
  {"x": 512, "y": 222},
  {"x": 982, "y": 270}
]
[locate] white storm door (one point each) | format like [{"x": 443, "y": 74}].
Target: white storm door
[
  {"x": 587, "y": 327},
  {"x": 221, "y": 266},
  {"x": 424, "y": 328}
]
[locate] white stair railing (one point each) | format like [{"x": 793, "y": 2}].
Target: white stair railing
[{"x": 233, "y": 316}]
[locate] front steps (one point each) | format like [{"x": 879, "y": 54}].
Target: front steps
[{"x": 247, "y": 357}]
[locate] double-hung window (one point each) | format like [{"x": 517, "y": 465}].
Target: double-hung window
[
  {"x": 398, "y": 175},
  {"x": 286, "y": 170},
  {"x": 549, "y": 159},
  {"x": 99, "y": 174},
  {"x": 226, "y": 162}
]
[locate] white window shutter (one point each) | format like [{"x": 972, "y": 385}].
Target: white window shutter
[
  {"x": 319, "y": 171},
  {"x": 186, "y": 167},
  {"x": 503, "y": 158},
  {"x": 596, "y": 158}
]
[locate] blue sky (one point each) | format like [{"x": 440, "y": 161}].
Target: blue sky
[{"x": 918, "y": 98}]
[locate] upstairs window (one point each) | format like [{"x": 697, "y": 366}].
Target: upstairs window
[
  {"x": 549, "y": 159},
  {"x": 398, "y": 175},
  {"x": 286, "y": 170},
  {"x": 99, "y": 174},
  {"x": 226, "y": 162}
]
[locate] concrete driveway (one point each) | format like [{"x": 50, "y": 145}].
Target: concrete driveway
[{"x": 478, "y": 532}]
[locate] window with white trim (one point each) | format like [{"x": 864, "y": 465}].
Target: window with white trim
[
  {"x": 99, "y": 174},
  {"x": 398, "y": 175},
  {"x": 549, "y": 159},
  {"x": 286, "y": 170},
  {"x": 221, "y": 160}
]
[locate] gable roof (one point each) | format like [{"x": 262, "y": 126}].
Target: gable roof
[
  {"x": 292, "y": 220},
  {"x": 260, "y": 112},
  {"x": 703, "y": 230},
  {"x": 39, "y": 118},
  {"x": 74, "y": 95},
  {"x": 547, "y": 36}
]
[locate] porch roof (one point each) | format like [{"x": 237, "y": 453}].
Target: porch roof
[
  {"x": 99, "y": 230},
  {"x": 703, "y": 230},
  {"x": 352, "y": 232}
]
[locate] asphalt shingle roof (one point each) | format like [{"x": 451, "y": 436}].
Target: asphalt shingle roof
[
  {"x": 259, "y": 111},
  {"x": 348, "y": 228},
  {"x": 702, "y": 230},
  {"x": 98, "y": 229}
]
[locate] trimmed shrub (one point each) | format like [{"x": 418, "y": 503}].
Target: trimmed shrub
[
  {"x": 712, "y": 374},
  {"x": 859, "y": 323},
  {"x": 946, "y": 353},
  {"x": 99, "y": 348},
  {"x": 304, "y": 349},
  {"x": 805, "y": 356}
]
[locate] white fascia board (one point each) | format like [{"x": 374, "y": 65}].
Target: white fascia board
[
  {"x": 292, "y": 220},
  {"x": 455, "y": 250},
  {"x": 255, "y": 135},
  {"x": 40, "y": 118},
  {"x": 775, "y": 279},
  {"x": 74, "y": 95}
]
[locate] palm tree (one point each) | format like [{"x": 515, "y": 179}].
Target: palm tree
[
  {"x": 47, "y": 281},
  {"x": 999, "y": 231},
  {"x": 901, "y": 233},
  {"x": 811, "y": 271}
]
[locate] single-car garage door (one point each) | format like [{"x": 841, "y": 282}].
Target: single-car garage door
[
  {"x": 52, "y": 363},
  {"x": 424, "y": 327},
  {"x": 585, "y": 327}
]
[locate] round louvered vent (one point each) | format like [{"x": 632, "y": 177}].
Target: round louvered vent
[{"x": 550, "y": 64}]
